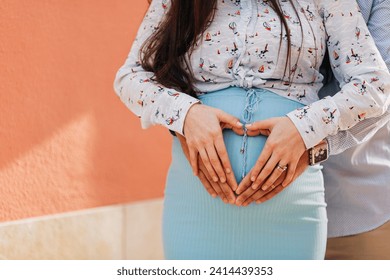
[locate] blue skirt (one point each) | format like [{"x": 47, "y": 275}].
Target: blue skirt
[{"x": 292, "y": 225}]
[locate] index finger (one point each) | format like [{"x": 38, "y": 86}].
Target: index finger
[
  {"x": 244, "y": 184},
  {"x": 261, "y": 161},
  {"x": 224, "y": 157},
  {"x": 242, "y": 198}
]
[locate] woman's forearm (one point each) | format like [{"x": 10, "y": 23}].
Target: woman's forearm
[{"x": 147, "y": 99}]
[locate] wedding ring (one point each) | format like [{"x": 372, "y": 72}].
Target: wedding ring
[{"x": 283, "y": 168}]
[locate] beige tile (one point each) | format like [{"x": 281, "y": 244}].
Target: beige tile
[
  {"x": 143, "y": 230},
  {"x": 91, "y": 234}
]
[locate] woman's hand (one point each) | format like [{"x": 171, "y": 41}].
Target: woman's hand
[
  {"x": 224, "y": 190},
  {"x": 203, "y": 127},
  {"x": 248, "y": 195},
  {"x": 281, "y": 153}
]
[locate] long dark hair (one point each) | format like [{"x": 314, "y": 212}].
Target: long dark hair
[{"x": 186, "y": 20}]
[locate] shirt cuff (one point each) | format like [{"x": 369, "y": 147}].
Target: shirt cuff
[
  {"x": 180, "y": 109},
  {"x": 334, "y": 144},
  {"x": 316, "y": 121},
  {"x": 185, "y": 110}
]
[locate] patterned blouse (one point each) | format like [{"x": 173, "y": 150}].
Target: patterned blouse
[{"x": 241, "y": 48}]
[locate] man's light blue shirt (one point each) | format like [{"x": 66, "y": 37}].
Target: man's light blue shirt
[{"x": 357, "y": 181}]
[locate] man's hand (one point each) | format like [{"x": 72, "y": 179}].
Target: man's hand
[{"x": 248, "y": 195}]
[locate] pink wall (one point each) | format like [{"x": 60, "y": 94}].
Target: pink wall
[{"x": 67, "y": 142}]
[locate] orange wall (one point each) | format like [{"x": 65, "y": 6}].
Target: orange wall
[{"x": 66, "y": 141}]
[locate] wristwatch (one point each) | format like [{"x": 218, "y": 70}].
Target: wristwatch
[{"x": 319, "y": 153}]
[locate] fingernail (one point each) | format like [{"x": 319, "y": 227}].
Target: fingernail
[
  {"x": 248, "y": 125},
  {"x": 215, "y": 179},
  {"x": 239, "y": 124},
  {"x": 228, "y": 170},
  {"x": 214, "y": 195},
  {"x": 265, "y": 187},
  {"x": 258, "y": 202},
  {"x": 254, "y": 187},
  {"x": 223, "y": 180},
  {"x": 253, "y": 178}
]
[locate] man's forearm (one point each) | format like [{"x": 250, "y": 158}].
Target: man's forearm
[{"x": 358, "y": 134}]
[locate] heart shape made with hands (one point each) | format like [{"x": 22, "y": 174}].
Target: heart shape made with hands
[{"x": 244, "y": 192}]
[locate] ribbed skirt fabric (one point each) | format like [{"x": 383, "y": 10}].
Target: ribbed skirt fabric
[{"x": 292, "y": 225}]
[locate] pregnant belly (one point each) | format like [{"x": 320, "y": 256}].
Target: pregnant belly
[{"x": 248, "y": 106}]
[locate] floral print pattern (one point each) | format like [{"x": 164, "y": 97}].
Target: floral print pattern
[{"x": 241, "y": 48}]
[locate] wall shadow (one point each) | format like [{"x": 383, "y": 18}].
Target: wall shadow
[{"x": 58, "y": 61}]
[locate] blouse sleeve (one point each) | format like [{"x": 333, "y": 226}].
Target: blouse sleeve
[
  {"x": 379, "y": 27},
  {"x": 149, "y": 100},
  {"x": 358, "y": 67}
]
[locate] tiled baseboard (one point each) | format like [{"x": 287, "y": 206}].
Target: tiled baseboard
[{"x": 131, "y": 231}]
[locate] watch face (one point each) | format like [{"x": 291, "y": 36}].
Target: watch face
[{"x": 320, "y": 155}]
